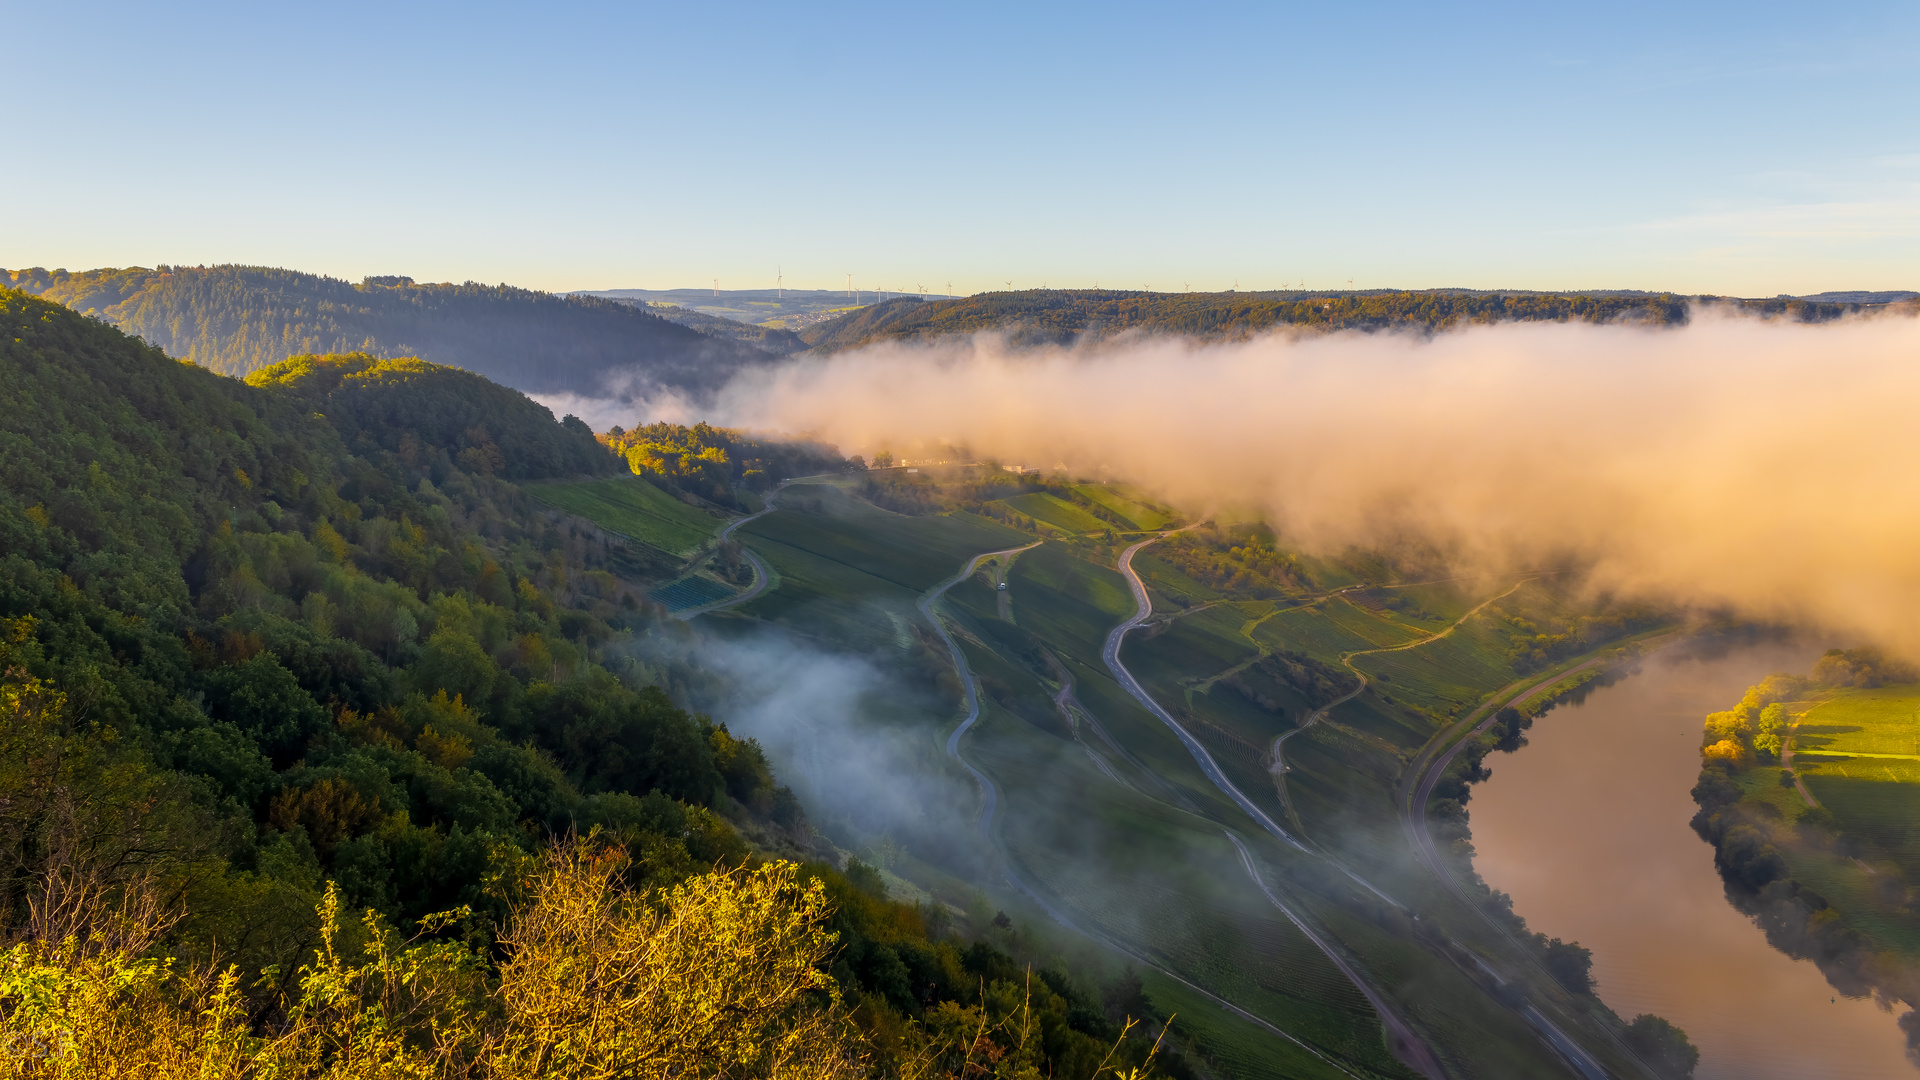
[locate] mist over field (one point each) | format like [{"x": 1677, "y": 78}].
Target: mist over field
[
  {"x": 815, "y": 712},
  {"x": 1765, "y": 465}
]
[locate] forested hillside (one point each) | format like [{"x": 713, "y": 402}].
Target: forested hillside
[
  {"x": 238, "y": 319},
  {"x": 1060, "y": 316},
  {"x": 272, "y": 655}
]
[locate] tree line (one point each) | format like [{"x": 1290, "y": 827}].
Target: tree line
[{"x": 1063, "y": 316}]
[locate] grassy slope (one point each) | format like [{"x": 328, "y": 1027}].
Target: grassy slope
[
  {"x": 1126, "y": 503},
  {"x": 1057, "y": 512},
  {"x": 1874, "y": 800},
  {"x": 1343, "y": 772},
  {"x": 1143, "y": 857},
  {"x": 634, "y": 508}
]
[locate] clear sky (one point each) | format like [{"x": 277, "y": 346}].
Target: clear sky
[{"x": 1749, "y": 148}]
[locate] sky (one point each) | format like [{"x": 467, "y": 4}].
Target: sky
[{"x": 1737, "y": 149}]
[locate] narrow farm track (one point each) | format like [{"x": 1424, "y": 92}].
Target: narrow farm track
[
  {"x": 988, "y": 794},
  {"x": 761, "y": 573},
  {"x": 1013, "y": 875},
  {"x": 1279, "y": 766},
  {"x": 1408, "y": 1046}
]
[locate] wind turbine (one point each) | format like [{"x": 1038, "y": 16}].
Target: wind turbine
[
  {"x": 716, "y": 288},
  {"x": 779, "y": 282},
  {"x": 949, "y": 290},
  {"x": 849, "y": 284}
]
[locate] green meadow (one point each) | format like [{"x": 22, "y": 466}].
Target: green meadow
[
  {"x": 1057, "y": 512},
  {"x": 633, "y": 508}
]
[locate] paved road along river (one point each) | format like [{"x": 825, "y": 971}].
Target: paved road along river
[{"x": 1586, "y": 827}]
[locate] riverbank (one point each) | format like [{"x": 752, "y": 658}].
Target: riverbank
[
  {"x": 1817, "y": 845},
  {"x": 1586, "y": 831}
]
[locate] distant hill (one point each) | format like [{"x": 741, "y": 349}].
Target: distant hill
[
  {"x": 1892, "y": 297},
  {"x": 781, "y": 309},
  {"x": 1060, "y": 316},
  {"x": 239, "y": 319},
  {"x": 773, "y": 339}
]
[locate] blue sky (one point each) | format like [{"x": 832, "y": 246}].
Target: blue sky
[{"x": 1749, "y": 149}]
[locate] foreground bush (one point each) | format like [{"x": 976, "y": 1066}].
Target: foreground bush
[{"x": 718, "y": 977}]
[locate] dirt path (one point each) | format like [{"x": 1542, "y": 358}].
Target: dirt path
[{"x": 1279, "y": 766}]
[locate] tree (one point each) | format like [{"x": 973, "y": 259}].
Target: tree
[
  {"x": 1569, "y": 964},
  {"x": 265, "y": 701},
  {"x": 1662, "y": 1047}
]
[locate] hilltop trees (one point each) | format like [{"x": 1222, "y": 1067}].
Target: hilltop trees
[
  {"x": 1062, "y": 316},
  {"x": 709, "y": 462}
]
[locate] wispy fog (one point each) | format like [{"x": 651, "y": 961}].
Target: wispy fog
[
  {"x": 1771, "y": 466},
  {"x": 824, "y": 721}
]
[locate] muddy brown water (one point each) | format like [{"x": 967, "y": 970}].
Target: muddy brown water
[{"x": 1586, "y": 827}]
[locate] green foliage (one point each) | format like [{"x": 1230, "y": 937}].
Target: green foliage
[
  {"x": 425, "y": 413},
  {"x": 1663, "y": 1047},
  {"x": 1865, "y": 667},
  {"x": 1570, "y": 964},
  {"x": 1061, "y": 316},
  {"x": 710, "y": 462},
  {"x": 266, "y": 704},
  {"x": 1537, "y": 644},
  {"x": 334, "y": 630},
  {"x": 1242, "y": 559},
  {"x": 238, "y": 319}
]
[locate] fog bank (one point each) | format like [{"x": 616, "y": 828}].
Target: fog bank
[{"x": 1766, "y": 465}]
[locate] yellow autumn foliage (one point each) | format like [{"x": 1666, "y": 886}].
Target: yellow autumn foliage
[{"x": 717, "y": 978}]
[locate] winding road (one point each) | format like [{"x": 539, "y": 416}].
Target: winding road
[
  {"x": 933, "y": 595},
  {"x": 1413, "y": 820},
  {"x": 1408, "y": 1046},
  {"x": 1034, "y": 894},
  {"x": 761, "y": 573},
  {"x": 1279, "y": 767}
]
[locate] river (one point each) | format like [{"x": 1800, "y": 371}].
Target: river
[{"x": 1586, "y": 827}]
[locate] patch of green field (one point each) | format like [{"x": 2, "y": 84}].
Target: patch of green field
[
  {"x": 1068, "y": 602},
  {"x": 1171, "y": 587},
  {"x": 1119, "y": 501},
  {"x": 1309, "y": 630},
  {"x": 1139, "y": 869},
  {"x": 851, "y": 572},
  {"x": 634, "y": 508},
  {"x": 1874, "y": 789},
  {"x": 1057, "y": 512},
  {"x": 1445, "y": 675},
  {"x": 1881, "y": 721}
]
